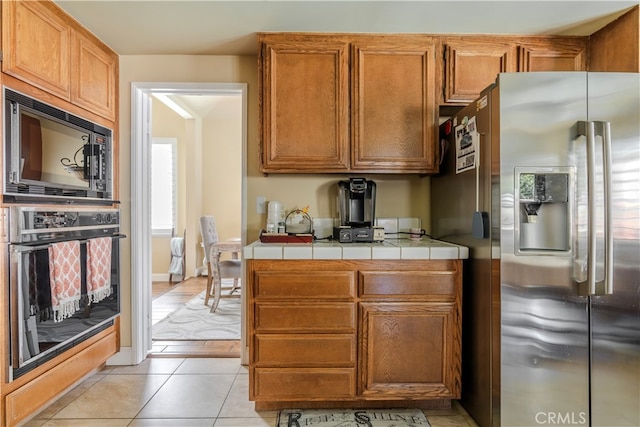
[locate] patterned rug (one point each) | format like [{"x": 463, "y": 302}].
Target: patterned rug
[
  {"x": 352, "y": 418},
  {"x": 194, "y": 321}
]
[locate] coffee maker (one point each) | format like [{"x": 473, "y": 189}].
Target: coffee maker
[{"x": 357, "y": 206}]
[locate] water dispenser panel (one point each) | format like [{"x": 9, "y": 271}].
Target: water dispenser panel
[{"x": 544, "y": 212}]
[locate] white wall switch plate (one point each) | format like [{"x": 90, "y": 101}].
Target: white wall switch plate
[{"x": 260, "y": 202}]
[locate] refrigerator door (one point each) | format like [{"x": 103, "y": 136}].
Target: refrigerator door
[
  {"x": 544, "y": 321},
  {"x": 615, "y": 313}
]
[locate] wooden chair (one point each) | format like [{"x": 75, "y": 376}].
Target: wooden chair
[
  {"x": 177, "y": 263},
  {"x": 220, "y": 269}
]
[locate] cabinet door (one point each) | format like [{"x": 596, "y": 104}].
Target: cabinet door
[
  {"x": 35, "y": 42},
  {"x": 472, "y": 64},
  {"x": 553, "y": 54},
  {"x": 393, "y": 105},
  {"x": 409, "y": 350},
  {"x": 94, "y": 81},
  {"x": 305, "y": 121}
]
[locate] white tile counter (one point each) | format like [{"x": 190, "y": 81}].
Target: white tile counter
[{"x": 424, "y": 248}]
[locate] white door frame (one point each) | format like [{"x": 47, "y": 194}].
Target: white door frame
[{"x": 141, "y": 200}]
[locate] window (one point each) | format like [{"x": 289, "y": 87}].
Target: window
[{"x": 163, "y": 186}]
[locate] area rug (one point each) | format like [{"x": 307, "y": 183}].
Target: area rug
[
  {"x": 352, "y": 418},
  {"x": 194, "y": 321}
]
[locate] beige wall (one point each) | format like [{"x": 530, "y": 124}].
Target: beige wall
[
  {"x": 397, "y": 195},
  {"x": 168, "y": 124},
  {"x": 173, "y": 68},
  {"x": 222, "y": 172}
]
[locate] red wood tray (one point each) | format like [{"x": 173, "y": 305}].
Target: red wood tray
[{"x": 285, "y": 238}]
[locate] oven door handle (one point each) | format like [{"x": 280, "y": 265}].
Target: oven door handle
[{"x": 17, "y": 248}]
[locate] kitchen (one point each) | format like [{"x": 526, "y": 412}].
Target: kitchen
[{"x": 405, "y": 192}]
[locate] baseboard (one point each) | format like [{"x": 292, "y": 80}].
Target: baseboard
[
  {"x": 160, "y": 277},
  {"x": 122, "y": 358}
]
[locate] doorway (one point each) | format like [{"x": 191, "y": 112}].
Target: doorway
[{"x": 141, "y": 273}]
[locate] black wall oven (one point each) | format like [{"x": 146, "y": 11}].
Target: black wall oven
[{"x": 63, "y": 279}]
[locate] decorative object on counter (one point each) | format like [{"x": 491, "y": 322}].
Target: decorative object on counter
[
  {"x": 352, "y": 417},
  {"x": 299, "y": 222}
]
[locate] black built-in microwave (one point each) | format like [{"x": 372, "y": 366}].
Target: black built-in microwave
[{"x": 51, "y": 155}]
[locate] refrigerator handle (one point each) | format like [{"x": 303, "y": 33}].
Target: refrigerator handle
[
  {"x": 588, "y": 130},
  {"x": 480, "y": 220},
  {"x": 603, "y": 129}
]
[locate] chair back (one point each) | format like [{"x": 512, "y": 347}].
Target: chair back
[{"x": 209, "y": 233}]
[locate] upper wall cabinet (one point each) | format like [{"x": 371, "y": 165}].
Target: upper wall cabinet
[
  {"x": 305, "y": 104},
  {"x": 26, "y": 25},
  {"x": 393, "y": 105},
  {"x": 94, "y": 75},
  {"x": 472, "y": 63},
  {"x": 347, "y": 103},
  {"x": 72, "y": 65},
  {"x": 552, "y": 54}
]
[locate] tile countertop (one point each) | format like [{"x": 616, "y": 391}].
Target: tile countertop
[{"x": 424, "y": 248}]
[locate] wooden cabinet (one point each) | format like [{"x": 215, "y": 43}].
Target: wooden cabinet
[
  {"x": 552, "y": 54},
  {"x": 615, "y": 48},
  {"x": 94, "y": 75},
  {"x": 26, "y": 25},
  {"x": 393, "y": 104},
  {"x": 472, "y": 63},
  {"x": 347, "y": 103},
  {"x": 303, "y": 327},
  {"x": 72, "y": 65},
  {"x": 353, "y": 333},
  {"x": 410, "y": 338},
  {"x": 305, "y": 104}
]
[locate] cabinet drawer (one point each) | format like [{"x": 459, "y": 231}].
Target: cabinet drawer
[
  {"x": 408, "y": 283},
  {"x": 334, "y": 317},
  {"x": 304, "y": 384},
  {"x": 305, "y": 350},
  {"x": 310, "y": 284}
]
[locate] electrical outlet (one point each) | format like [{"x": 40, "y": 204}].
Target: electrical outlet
[{"x": 260, "y": 202}]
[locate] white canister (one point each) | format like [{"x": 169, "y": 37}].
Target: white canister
[{"x": 275, "y": 217}]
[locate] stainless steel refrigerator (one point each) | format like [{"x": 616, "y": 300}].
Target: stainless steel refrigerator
[{"x": 540, "y": 178}]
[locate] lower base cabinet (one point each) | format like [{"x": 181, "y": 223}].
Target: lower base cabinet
[
  {"x": 407, "y": 350},
  {"x": 354, "y": 333}
]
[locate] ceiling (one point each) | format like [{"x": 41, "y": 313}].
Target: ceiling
[{"x": 213, "y": 27}]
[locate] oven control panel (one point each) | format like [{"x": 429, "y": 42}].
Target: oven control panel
[
  {"x": 50, "y": 220},
  {"x": 65, "y": 219},
  {"x": 30, "y": 224}
]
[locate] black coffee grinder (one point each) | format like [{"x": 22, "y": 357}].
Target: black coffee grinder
[{"x": 357, "y": 206}]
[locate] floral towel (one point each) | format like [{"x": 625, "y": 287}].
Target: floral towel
[
  {"x": 65, "y": 279},
  {"x": 98, "y": 268}
]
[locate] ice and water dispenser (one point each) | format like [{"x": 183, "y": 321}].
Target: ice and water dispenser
[{"x": 544, "y": 220}]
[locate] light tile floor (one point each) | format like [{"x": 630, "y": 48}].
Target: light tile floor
[{"x": 175, "y": 392}]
